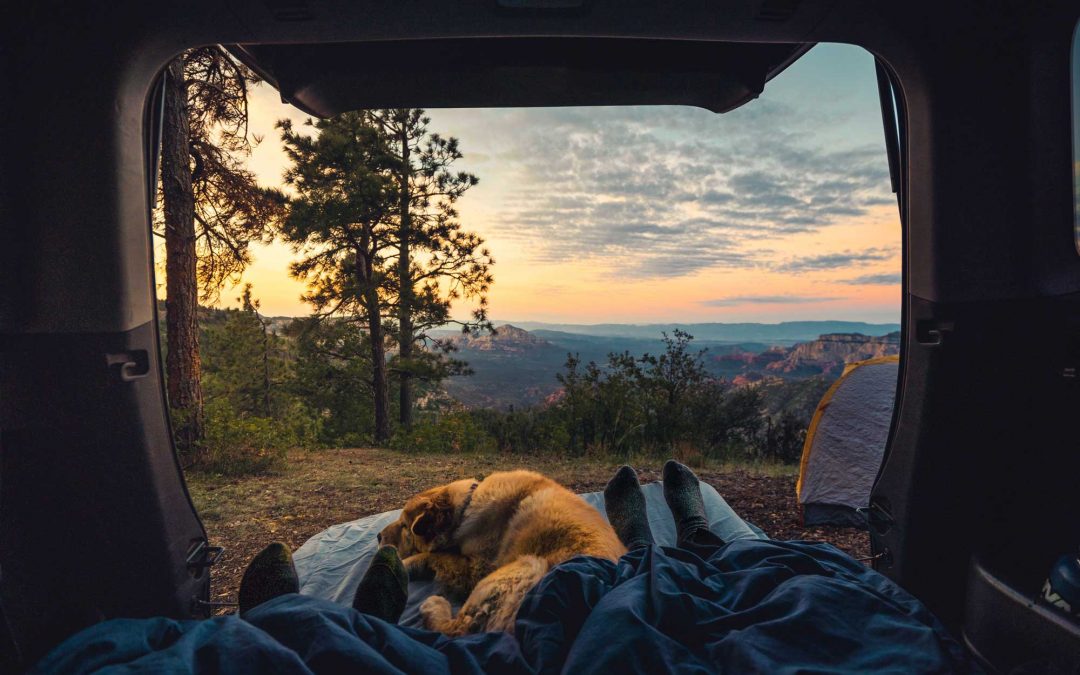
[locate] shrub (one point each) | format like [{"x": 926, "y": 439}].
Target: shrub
[
  {"x": 301, "y": 425},
  {"x": 524, "y": 431},
  {"x": 237, "y": 444},
  {"x": 783, "y": 438},
  {"x": 451, "y": 432}
]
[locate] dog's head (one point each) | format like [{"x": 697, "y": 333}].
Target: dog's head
[{"x": 428, "y": 521}]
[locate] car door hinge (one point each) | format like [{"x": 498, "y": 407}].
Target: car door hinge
[
  {"x": 877, "y": 518},
  {"x": 204, "y": 556}
]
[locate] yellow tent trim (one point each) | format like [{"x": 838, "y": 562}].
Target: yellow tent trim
[{"x": 816, "y": 420}]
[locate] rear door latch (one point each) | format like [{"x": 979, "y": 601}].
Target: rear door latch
[{"x": 204, "y": 556}]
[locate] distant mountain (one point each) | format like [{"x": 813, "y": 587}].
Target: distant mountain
[
  {"x": 597, "y": 347},
  {"x": 516, "y": 367},
  {"x": 788, "y": 332}
]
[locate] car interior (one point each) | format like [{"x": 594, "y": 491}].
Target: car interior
[{"x": 979, "y": 491}]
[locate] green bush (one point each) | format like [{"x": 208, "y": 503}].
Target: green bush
[
  {"x": 526, "y": 431},
  {"x": 451, "y": 432},
  {"x": 657, "y": 405},
  {"x": 298, "y": 423},
  {"x": 237, "y": 444},
  {"x": 783, "y": 439}
]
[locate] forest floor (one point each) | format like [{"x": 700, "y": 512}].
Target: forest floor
[{"x": 323, "y": 487}]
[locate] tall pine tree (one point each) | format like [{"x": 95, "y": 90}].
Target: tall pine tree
[
  {"x": 212, "y": 209},
  {"x": 437, "y": 262},
  {"x": 340, "y": 221},
  {"x": 374, "y": 217}
]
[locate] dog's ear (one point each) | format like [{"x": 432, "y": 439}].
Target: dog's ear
[{"x": 435, "y": 517}]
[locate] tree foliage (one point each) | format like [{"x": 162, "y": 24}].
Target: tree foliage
[
  {"x": 319, "y": 390},
  {"x": 245, "y": 363},
  {"x": 254, "y": 413},
  {"x": 664, "y": 404},
  {"x": 231, "y": 209},
  {"x": 332, "y": 377}
]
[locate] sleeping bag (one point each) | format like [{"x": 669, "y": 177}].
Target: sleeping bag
[{"x": 751, "y": 605}]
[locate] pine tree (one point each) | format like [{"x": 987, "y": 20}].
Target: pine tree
[
  {"x": 340, "y": 221},
  {"x": 333, "y": 378},
  {"x": 374, "y": 217},
  {"x": 244, "y": 363},
  {"x": 251, "y": 307},
  {"x": 212, "y": 209},
  {"x": 437, "y": 262}
]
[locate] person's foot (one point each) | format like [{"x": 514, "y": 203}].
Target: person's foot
[
  {"x": 625, "y": 505},
  {"x": 683, "y": 497},
  {"x": 269, "y": 574},
  {"x": 384, "y": 588}
]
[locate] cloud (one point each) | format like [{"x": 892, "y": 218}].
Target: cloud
[
  {"x": 832, "y": 261},
  {"x": 874, "y": 279},
  {"x": 665, "y": 192},
  {"x": 766, "y": 300}
]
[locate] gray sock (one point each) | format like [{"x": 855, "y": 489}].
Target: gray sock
[
  {"x": 269, "y": 574},
  {"x": 384, "y": 588},
  {"x": 683, "y": 497},
  {"x": 625, "y": 506}
]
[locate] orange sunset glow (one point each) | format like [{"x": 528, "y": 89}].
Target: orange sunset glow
[{"x": 802, "y": 224}]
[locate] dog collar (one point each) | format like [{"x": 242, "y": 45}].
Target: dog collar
[{"x": 467, "y": 501}]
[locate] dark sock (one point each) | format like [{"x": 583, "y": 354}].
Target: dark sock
[
  {"x": 683, "y": 497},
  {"x": 269, "y": 574},
  {"x": 625, "y": 506},
  {"x": 384, "y": 587}
]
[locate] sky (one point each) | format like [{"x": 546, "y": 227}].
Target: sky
[{"x": 777, "y": 211}]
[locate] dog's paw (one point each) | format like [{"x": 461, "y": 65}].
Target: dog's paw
[
  {"x": 418, "y": 567},
  {"x": 436, "y": 612}
]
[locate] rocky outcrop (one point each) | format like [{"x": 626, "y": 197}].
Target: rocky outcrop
[
  {"x": 824, "y": 356},
  {"x": 507, "y": 339}
]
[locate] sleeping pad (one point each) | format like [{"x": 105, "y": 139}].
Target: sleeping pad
[{"x": 747, "y": 606}]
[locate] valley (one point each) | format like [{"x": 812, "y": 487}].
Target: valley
[{"x": 516, "y": 367}]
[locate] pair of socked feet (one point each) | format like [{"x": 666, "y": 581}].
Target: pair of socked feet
[
  {"x": 382, "y": 591},
  {"x": 625, "y": 505},
  {"x": 384, "y": 588}
]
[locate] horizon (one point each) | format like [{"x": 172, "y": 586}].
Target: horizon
[
  {"x": 517, "y": 322},
  {"x": 779, "y": 211},
  {"x": 691, "y": 323}
]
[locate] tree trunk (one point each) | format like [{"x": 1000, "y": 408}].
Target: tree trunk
[
  {"x": 182, "y": 366},
  {"x": 370, "y": 299},
  {"x": 405, "y": 285}
]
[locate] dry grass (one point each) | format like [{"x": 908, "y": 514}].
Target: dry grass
[{"x": 324, "y": 487}]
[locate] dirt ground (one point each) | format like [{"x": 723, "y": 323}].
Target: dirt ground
[{"x": 324, "y": 487}]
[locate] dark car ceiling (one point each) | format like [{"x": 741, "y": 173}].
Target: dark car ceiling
[{"x": 326, "y": 79}]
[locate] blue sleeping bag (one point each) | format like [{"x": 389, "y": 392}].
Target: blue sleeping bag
[{"x": 749, "y": 606}]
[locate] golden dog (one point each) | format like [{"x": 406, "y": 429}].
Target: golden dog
[{"x": 493, "y": 540}]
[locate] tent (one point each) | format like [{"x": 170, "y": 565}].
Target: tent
[{"x": 845, "y": 443}]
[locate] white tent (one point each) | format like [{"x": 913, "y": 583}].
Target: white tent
[{"x": 845, "y": 443}]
